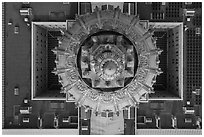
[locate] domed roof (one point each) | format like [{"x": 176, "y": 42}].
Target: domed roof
[{"x": 81, "y": 53}]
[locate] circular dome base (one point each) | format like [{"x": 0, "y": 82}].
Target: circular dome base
[
  {"x": 107, "y": 35},
  {"x": 106, "y": 49}
]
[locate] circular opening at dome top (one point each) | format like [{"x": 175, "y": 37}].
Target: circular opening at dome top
[
  {"x": 103, "y": 61},
  {"x": 110, "y": 68}
]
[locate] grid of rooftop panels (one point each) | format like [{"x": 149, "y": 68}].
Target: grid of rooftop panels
[
  {"x": 194, "y": 62},
  {"x": 173, "y": 9},
  {"x": 197, "y": 20}
]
